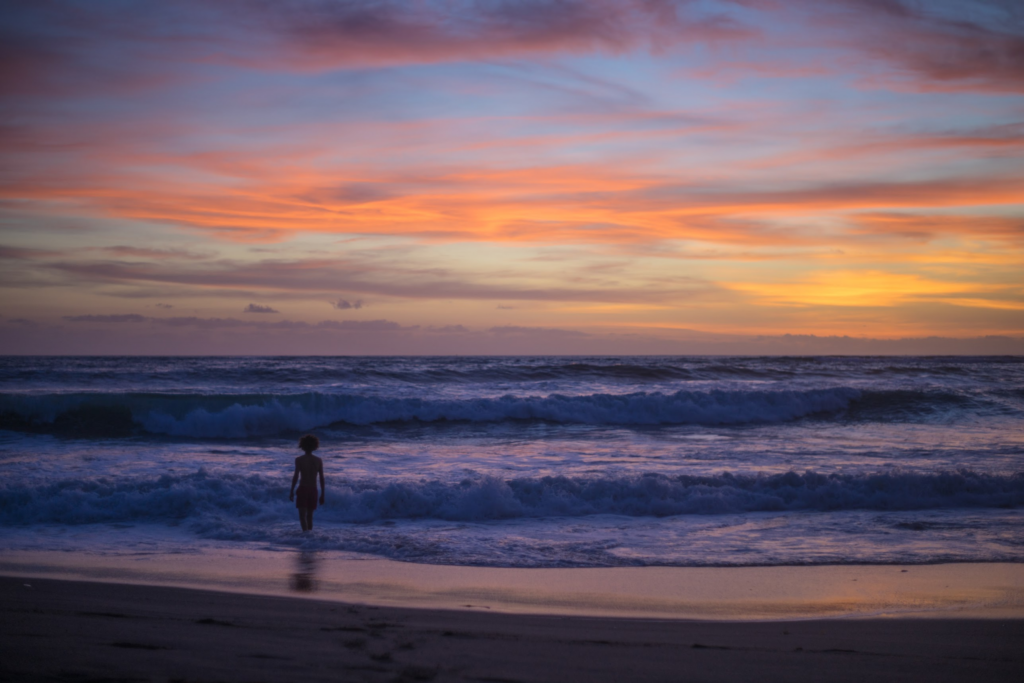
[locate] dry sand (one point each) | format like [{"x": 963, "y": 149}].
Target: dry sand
[{"x": 55, "y": 630}]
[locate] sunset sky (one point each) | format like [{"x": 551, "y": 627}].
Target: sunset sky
[{"x": 492, "y": 176}]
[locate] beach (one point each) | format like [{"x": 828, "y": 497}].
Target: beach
[
  {"x": 55, "y": 630},
  {"x": 271, "y": 616}
]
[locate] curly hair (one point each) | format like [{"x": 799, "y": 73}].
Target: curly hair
[{"x": 309, "y": 443}]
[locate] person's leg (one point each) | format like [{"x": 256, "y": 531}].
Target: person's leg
[
  {"x": 302, "y": 518},
  {"x": 309, "y": 519}
]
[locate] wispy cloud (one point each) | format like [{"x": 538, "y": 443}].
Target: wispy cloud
[
  {"x": 313, "y": 276},
  {"x": 970, "y": 44},
  {"x": 123, "y": 251},
  {"x": 732, "y": 164},
  {"x": 927, "y": 226}
]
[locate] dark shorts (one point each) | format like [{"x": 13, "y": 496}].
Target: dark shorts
[{"x": 306, "y": 497}]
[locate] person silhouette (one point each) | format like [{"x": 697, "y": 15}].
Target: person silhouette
[{"x": 308, "y": 466}]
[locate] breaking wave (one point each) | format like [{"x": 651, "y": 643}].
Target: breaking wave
[
  {"x": 206, "y": 500},
  {"x": 239, "y": 416},
  {"x": 258, "y": 415}
]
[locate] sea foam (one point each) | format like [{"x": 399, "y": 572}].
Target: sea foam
[{"x": 203, "y": 497}]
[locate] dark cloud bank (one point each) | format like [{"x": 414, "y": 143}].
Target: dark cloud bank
[{"x": 134, "y": 334}]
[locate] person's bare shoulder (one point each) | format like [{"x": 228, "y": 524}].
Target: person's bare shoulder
[{"x": 319, "y": 462}]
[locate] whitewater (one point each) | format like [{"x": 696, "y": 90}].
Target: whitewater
[{"x": 522, "y": 461}]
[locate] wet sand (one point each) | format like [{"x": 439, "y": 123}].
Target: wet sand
[
  {"x": 57, "y": 630},
  {"x": 989, "y": 590}
]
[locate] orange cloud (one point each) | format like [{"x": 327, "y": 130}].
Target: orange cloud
[
  {"x": 928, "y": 226},
  {"x": 254, "y": 195}
]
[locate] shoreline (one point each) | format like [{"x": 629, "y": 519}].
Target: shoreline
[
  {"x": 76, "y": 630},
  {"x": 964, "y": 590}
]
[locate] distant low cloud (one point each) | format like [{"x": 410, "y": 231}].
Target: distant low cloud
[
  {"x": 363, "y": 325},
  {"x": 503, "y": 307},
  {"x": 232, "y": 323},
  {"x": 256, "y": 308},
  {"x": 230, "y": 336},
  {"x": 163, "y": 305},
  {"x": 182, "y": 321},
  {"x": 547, "y": 331},
  {"x": 344, "y": 304},
  {"x": 120, "y": 318},
  {"x": 219, "y": 323}
]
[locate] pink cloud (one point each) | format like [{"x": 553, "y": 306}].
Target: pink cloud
[
  {"x": 976, "y": 46},
  {"x": 64, "y": 45}
]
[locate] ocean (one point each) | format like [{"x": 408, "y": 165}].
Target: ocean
[{"x": 522, "y": 461}]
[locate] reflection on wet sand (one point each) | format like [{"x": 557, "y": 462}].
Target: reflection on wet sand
[{"x": 303, "y": 579}]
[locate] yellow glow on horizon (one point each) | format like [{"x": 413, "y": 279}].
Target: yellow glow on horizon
[{"x": 856, "y": 288}]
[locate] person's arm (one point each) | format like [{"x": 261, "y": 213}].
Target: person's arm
[
  {"x": 295, "y": 479},
  {"x": 323, "y": 488}
]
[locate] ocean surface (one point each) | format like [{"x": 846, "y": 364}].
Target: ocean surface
[{"x": 522, "y": 461}]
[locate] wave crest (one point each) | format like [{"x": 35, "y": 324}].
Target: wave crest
[
  {"x": 262, "y": 415},
  {"x": 205, "y": 499}
]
